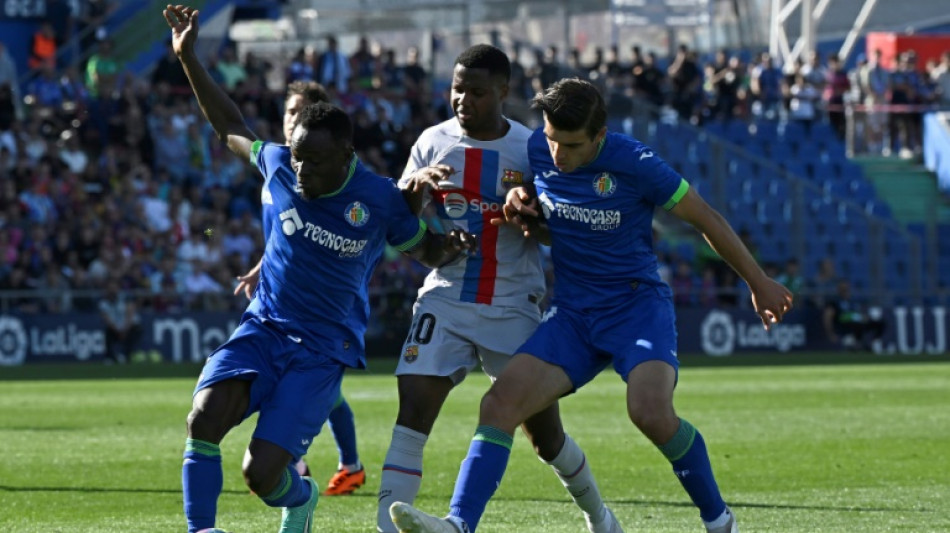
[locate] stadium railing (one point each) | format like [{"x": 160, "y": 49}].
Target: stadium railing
[{"x": 820, "y": 220}]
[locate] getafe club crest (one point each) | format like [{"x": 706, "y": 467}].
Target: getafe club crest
[
  {"x": 604, "y": 184},
  {"x": 356, "y": 214}
]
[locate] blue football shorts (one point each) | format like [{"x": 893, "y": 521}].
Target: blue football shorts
[
  {"x": 638, "y": 325},
  {"x": 292, "y": 387}
]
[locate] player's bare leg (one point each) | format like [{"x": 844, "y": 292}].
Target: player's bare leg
[{"x": 650, "y": 407}]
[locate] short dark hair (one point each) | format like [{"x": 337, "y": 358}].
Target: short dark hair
[
  {"x": 312, "y": 91},
  {"x": 487, "y": 57},
  {"x": 326, "y": 116},
  {"x": 573, "y": 104}
]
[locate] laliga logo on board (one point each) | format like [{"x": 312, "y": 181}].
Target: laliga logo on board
[
  {"x": 12, "y": 341},
  {"x": 604, "y": 184},
  {"x": 455, "y": 205},
  {"x": 356, "y": 214}
]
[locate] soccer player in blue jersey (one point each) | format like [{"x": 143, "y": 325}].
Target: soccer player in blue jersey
[
  {"x": 350, "y": 474},
  {"x": 597, "y": 192},
  {"x": 326, "y": 221}
]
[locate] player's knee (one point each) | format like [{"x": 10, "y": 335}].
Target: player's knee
[
  {"x": 204, "y": 426},
  {"x": 496, "y": 411},
  {"x": 260, "y": 477},
  {"x": 654, "y": 418}
]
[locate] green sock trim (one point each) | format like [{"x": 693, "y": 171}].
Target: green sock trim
[
  {"x": 282, "y": 488},
  {"x": 681, "y": 442},
  {"x": 203, "y": 447},
  {"x": 494, "y": 436}
]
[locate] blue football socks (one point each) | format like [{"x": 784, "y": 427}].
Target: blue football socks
[
  {"x": 687, "y": 453},
  {"x": 292, "y": 491},
  {"x": 343, "y": 426},
  {"x": 201, "y": 482},
  {"x": 480, "y": 474}
]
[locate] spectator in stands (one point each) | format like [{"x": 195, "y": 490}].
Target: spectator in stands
[
  {"x": 940, "y": 76},
  {"x": 848, "y": 323},
  {"x": 230, "y": 68},
  {"x": 766, "y": 87},
  {"x": 122, "y": 324},
  {"x": 836, "y": 86},
  {"x": 301, "y": 67},
  {"x": 102, "y": 71},
  {"x": 169, "y": 71},
  {"x": 803, "y": 102},
  {"x": 874, "y": 81},
  {"x": 72, "y": 154},
  {"x": 648, "y": 82},
  {"x": 686, "y": 80},
  {"x": 43, "y": 47},
  {"x": 333, "y": 68},
  {"x": 363, "y": 64},
  {"x": 905, "y": 86},
  {"x": 824, "y": 283},
  {"x": 791, "y": 277},
  {"x": 45, "y": 90}
]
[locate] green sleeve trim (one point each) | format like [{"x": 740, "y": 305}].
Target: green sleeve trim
[
  {"x": 255, "y": 149},
  {"x": 494, "y": 436},
  {"x": 202, "y": 447},
  {"x": 678, "y": 195},
  {"x": 415, "y": 240}
]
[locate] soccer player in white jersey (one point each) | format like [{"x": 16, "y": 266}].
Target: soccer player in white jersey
[{"x": 480, "y": 307}]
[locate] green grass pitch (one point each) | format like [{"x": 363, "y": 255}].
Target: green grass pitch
[{"x": 824, "y": 448}]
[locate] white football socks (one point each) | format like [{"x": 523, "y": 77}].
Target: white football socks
[
  {"x": 571, "y": 467},
  {"x": 402, "y": 474}
]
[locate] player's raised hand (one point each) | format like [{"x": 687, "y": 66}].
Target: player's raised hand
[
  {"x": 771, "y": 301},
  {"x": 183, "y": 21}
]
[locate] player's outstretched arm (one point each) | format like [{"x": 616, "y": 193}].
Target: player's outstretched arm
[
  {"x": 770, "y": 298},
  {"x": 522, "y": 210},
  {"x": 437, "y": 250},
  {"x": 218, "y": 108}
]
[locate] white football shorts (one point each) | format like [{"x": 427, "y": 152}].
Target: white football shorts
[{"x": 449, "y": 338}]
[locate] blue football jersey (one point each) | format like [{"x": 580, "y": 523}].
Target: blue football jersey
[
  {"x": 320, "y": 254},
  {"x": 600, "y": 217}
]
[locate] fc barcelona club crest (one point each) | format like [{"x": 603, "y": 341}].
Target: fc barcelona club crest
[
  {"x": 356, "y": 214},
  {"x": 605, "y": 184},
  {"x": 512, "y": 178},
  {"x": 411, "y": 353}
]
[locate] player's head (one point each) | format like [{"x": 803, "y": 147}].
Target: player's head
[
  {"x": 321, "y": 148},
  {"x": 300, "y": 94},
  {"x": 575, "y": 122},
  {"x": 479, "y": 85}
]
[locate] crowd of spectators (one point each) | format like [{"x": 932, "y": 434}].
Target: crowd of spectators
[{"x": 115, "y": 181}]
